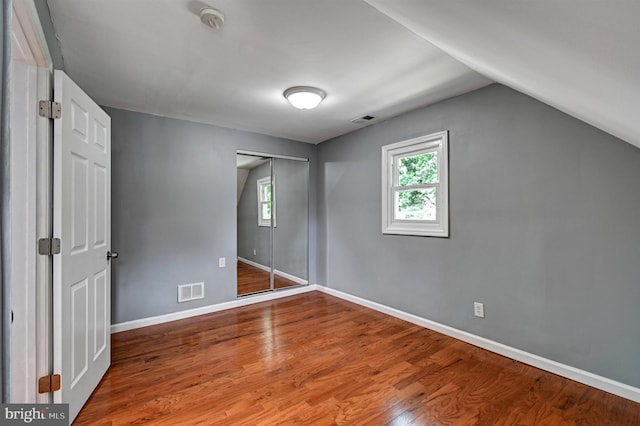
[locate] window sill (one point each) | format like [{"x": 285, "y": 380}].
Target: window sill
[{"x": 418, "y": 230}]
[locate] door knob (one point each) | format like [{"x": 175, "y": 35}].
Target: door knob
[{"x": 111, "y": 255}]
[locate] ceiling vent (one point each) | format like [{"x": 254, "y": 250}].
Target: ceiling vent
[
  {"x": 363, "y": 120},
  {"x": 212, "y": 18}
]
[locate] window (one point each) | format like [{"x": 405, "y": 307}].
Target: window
[
  {"x": 265, "y": 208},
  {"x": 415, "y": 198}
]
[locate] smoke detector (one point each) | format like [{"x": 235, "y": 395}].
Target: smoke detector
[{"x": 212, "y": 18}]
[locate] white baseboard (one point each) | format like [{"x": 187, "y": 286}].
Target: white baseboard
[
  {"x": 582, "y": 376},
  {"x": 275, "y": 271},
  {"x": 242, "y": 301},
  {"x": 256, "y": 264},
  {"x": 290, "y": 277}
]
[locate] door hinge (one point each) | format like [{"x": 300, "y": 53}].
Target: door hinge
[
  {"x": 49, "y": 109},
  {"x": 48, "y": 384},
  {"x": 48, "y": 246}
]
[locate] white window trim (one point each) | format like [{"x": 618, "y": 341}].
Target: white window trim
[
  {"x": 440, "y": 227},
  {"x": 260, "y": 183}
]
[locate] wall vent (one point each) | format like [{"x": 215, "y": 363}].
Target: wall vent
[
  {"x": 363, "y": 120},
  {"x": 188, "y": 292}
]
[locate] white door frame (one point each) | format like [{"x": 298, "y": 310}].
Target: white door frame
[
  {"x": 23, "y": 85},
  {"x": 31, "y": 178}
]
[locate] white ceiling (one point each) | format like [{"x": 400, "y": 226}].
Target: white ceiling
[
  {"x": 580, "y": 56},
  {"x": 156, "y": 56},
  {"x": 373, "y": 57}
]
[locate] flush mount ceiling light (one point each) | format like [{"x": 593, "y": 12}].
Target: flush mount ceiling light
[
  {"x": 304, "y": 97},
  {"x": 212, "y": 18}
]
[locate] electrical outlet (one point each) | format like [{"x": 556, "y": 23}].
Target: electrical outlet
[
  {"x": 222, "y": 262},
  {"x": 478, "y": 309},
  {"x": 254, "y": 252}
]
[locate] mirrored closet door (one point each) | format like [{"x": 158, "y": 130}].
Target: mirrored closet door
[{"x": 273, "y": 223}]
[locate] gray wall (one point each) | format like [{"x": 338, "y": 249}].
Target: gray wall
[
  {"x": 49, "y": 34},
  {"x": 250, "y": 235},
  {"x": 545, "y": 230},
  {"x": 290, "y": 235},
  {"x": 174, "y": 209}
]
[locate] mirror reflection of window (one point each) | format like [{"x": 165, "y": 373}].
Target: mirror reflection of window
[{"x": 265, "y": 204}]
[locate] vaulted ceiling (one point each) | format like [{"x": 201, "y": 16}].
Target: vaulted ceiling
[
  {"x": 377, "y": 57},
  {"x": 580, "y": 56}
]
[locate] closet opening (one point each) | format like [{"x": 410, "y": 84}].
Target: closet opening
[{"x": 272, "y": 222}]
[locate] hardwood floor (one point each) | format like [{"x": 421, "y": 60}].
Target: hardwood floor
[
  {"x": 252, "y": 280},
  {"x": 313, "y": 359}
]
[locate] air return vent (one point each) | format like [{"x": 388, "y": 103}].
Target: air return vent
[
  {"x": 363, "y": 120},
  {"x": 187, "y": 292}
]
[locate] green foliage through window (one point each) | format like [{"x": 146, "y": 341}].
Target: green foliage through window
[
  {"x": 418, "y": 204},
  {"x": 418, "y": 169},
  {"x": 267, "y": 192}
]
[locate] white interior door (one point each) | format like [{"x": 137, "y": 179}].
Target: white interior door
[{"x": 82, "y": 221}]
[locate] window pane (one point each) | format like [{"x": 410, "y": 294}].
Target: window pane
[
  {"x": 418, "y": 169},
  {"x": 415, "y": 204},
  {"x": 266, "y": 192},
  {"x": 266, "y": 211}
]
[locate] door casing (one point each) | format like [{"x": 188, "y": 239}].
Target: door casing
[{"x": 32, "y": 302}]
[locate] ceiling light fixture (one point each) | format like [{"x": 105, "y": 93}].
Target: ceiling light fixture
[{"x": 304, "y": 97}]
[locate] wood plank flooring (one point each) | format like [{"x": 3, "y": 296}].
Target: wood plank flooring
[
  {"x": 313, "y": 359},
  {"x": 252, "y": 280}
]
